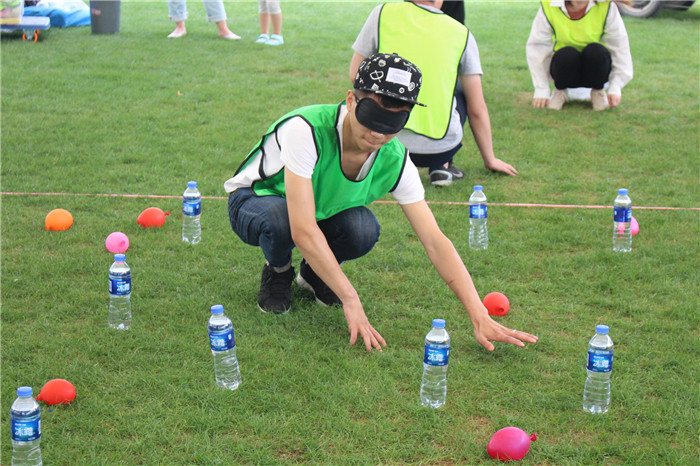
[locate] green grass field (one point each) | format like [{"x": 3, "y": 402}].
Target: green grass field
[{"x": 136, "y": 113}]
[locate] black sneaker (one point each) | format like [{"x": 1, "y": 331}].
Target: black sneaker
[
  {"x": 308, "y": 279},
  {"x": 440, "y": 177},
  {"x": 275, "y": 290},
  {"x": 457, "y": 174}
]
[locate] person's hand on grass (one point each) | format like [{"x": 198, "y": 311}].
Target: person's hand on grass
[
  {"x": 487, "y": 330},
  {"x": 539, "y": 102},
  {"x": 358, "y": 324},
  {"x": 499, "y": 165},
  {"x": 613, "y": 100}
]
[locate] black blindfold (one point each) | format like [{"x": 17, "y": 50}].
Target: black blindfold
[{"x": 379, "y": 119}]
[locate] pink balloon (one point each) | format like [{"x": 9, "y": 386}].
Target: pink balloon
[
  {"x": 634, "y": 226},
  {"x": 117, "y": 242},
  {"x": 509, "y": 443}
]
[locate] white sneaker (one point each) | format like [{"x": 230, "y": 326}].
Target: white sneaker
[
  {"x": 556, "y": 102},
  {"x": 599, "y": 99}
]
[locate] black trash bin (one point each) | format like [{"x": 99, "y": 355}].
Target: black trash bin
[{"x": 104, "y": 16}]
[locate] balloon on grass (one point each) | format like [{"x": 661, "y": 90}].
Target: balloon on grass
[
  {"x": 58, "y": 220},
  {"x": 496, "y": 303},
  {"x": 57, "y": 392},
  {"x": 510, "y": 443},
  {"x": 117, "y": 242},
  {"x": 634, "y": 226},
  {"x": 152, "y": 217}
]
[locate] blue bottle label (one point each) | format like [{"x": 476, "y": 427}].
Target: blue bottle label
[
  {"x": 478, "y": 211},
  {"x": 121, "y": 285},
  {"x": 222, "y": 341},
  {"x": 600, "y": 360},
  {"x": 26, "y": 430},
  {"x": 622, "y": 214},
  {"x": 436, "y": 355},
  {"x": 191, "y": 207}
]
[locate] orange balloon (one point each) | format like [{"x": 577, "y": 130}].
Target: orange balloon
[
  {"x": 151, "y": 217},
  {"x": 496, "y": 303},
  {"x": 57, "y": 391},
  {"x": 58, "y": 219}
]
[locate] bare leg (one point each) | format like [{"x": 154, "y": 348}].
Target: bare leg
[
  {"x": 264, "y": 23},
  {"x": 277, "y": 24},
  {"x": 225, "y": 32},
  {"x": 179, "y": 30}
]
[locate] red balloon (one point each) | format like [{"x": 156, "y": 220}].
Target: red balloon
[
  {"x": 151, "y": 217},
  {"x": 509, "y": 443},
  {"x": 57, "y": 392},
  {"x": 496, "y": 303}
]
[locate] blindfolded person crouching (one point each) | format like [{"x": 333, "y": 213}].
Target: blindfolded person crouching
[{"x": 307, "y": 183}]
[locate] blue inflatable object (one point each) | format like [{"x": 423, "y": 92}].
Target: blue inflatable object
[{"x": 61, "y": 18}]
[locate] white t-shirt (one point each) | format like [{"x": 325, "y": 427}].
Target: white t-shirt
[{"x": 294, "y": 148}]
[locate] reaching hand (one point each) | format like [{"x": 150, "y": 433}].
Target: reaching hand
[
  {"x": 487, "y": 330},
  {"x": 499, "y": 165},
  {"x": 359, "y": 324}
]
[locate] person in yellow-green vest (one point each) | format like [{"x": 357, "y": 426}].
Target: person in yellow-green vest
[
  {"x": 578, "y": 44},
  {"x": 307, "y": 182},
  {"x": 447, "y": 54}
]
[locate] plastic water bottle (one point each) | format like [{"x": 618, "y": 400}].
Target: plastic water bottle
[
  {"x": 596, "y": 393},
  {"x": 25, "y": 419},
  {"x": 119, "y": 294},
  {"x": 622, "y": 219},
  {"x": 223, "y": 347},
  {"x": 191, "y": 211},
  {"x": 478, "y": 213},
  {"x": 433, "y": 389}
]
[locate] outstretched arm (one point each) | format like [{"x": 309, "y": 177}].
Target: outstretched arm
[
  {"x": 312, "y": 244},
  {"x": 449, "y": 265}
]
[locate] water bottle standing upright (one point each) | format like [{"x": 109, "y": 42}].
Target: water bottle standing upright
[
  {"x": 478, "y": 213},
  {"x": 25, "y": 420},
  {"x": 119, "y": 294},
  {"x": 622, "y": 221},
  {"x": 433, "y": 389},
  {"x": 596, "y": 393},
  {"x": 223, "y": 347},
  {"x": 191, "y": 212}
]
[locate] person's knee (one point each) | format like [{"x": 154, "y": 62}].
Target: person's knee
[
  {"x": 595, "y": 49},
  {"x": 566, "y": 56},
  {"x": 367, "y": 233},
  {"x": 596, "y": 55}
]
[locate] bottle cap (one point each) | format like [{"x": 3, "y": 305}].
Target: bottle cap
[
  {"x": 604, "y": 329},
  {"x": 25, "y": 391},
  {"x": 622, "y": 191},
  {"x": 191, "y": 184},
  {"x": 439, "y": 323},
  {"x": 478, "y": 187},
  {"x": 119, "y": 257},
  {"x": 217, "y": 309}
]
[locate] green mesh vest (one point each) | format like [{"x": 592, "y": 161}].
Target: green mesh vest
[
  {"x": 580, "y": 32},
  {"x": 434, "y": 42},
  {"x": 333, "y": 191}
]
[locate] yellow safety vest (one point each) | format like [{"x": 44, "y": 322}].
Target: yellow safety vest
[
  {"x": 433, "y": 42},
  {"x": 576, "y": 33}
]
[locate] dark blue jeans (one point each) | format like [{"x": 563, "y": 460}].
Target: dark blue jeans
[{"x": 264, "y": 221}]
